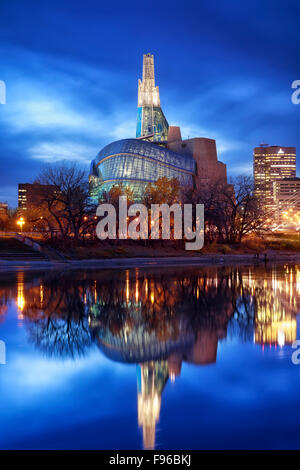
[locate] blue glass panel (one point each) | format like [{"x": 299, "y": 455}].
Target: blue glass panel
[{"x": 135, "y": 163}]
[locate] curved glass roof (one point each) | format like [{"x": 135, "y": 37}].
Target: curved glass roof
[
  {"x": 146, "y": 149},
  {"x": 135, "y": 163}
]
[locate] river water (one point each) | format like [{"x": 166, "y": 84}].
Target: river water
[{"x": 179, "y": 358}]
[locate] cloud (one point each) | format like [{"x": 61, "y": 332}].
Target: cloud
[
  {"x": 51, "y": 152},
  {"x": 229, "y": 81},
  {"x": 54, "y": 115},
  {"x": 32, "y": 109}
]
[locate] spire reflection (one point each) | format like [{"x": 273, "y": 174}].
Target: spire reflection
[{"x": 157, "y": 319}]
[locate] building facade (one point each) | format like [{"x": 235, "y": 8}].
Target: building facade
[
  {"x": 287, "y": 201},
  {"x": 287, "y": 193},
  {"x": 151, "y": 121},
  {"x": 270, "y": 164},
  {"x": 158, "y": 151},
  {"x": 3, "y": 209},
  {"x": 135, "y": 163},
  {"x": 31, "y": 194}
]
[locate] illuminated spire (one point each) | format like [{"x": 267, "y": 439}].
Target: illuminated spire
[
  {"x": 151, "y": 122},
  {"x": 148, "y": 93}
]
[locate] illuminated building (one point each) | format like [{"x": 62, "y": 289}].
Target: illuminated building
[
  {"x": 135, "y": 163},
  {"x": 31, "y": 194},
  {"x": 3, "y": 209},
  {"x": 272, "y": 163},
  {"x": 151, "y": 121},
  {"x": 158, "y": 151},
  {"x": 287, "y": 201}
]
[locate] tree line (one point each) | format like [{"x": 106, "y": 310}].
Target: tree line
[{"x": 66, "y": 212}]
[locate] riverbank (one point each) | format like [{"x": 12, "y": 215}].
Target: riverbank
[{"x": 143, "y": 262}]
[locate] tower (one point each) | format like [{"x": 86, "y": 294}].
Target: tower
[{"x": 151, "y": 121}]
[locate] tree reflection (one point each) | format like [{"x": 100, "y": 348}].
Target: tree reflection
[
  {"x": 157, "y": 319},
  {"x": 56, "y": 318}
]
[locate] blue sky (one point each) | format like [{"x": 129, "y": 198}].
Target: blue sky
[{"x": 224, "y": 69}]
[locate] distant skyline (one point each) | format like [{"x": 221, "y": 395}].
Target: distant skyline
[{"x": 71, "y": 70}]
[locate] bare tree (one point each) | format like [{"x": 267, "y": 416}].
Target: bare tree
[
  {"x": 243, "y": 212},
  {"x": 231, "y": 210},
  {"x": 65, "y": 206}
]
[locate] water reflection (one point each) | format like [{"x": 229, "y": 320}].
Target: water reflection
[
  {"x": 157, "y": 319},
  {"x": 20, "y": 298}
]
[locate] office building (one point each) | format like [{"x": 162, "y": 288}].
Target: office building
[
  {"x": 270, "y": 164},
  {"x": 30, "y": 195},
  {"x": 3, "y": 209},
  {"x": 287, "y": 201}
]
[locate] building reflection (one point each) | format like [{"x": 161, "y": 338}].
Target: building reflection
[
  {"x": 276, "y": 299},
  {"x": 158, "y": 320}
]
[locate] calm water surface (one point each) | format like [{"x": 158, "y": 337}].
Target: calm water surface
[{"x": 150, "y": 358}]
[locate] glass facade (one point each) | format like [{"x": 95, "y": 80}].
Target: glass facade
[
  {"x": 272, "y": 163},
  {"x": 135, "y": 163},
  {"x": 151, "y": 120}
]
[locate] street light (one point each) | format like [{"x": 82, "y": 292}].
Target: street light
[{"x": 21, "y": 222}]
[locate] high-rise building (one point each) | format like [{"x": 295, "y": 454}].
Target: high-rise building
[
  {"x": 151, "y": 121},
  {"x": 3, "y": 209},
  {"x": 272, "y": 163},
  {"x": 287, "y": 193},
  {"x": 287, "y": 202},
  {"x": 32, "y": 194}
]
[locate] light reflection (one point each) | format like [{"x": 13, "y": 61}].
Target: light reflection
[
  {"x": 41, "y": 295},
  {"x": 95, "y": 291},
  {"x": 127, "y": 286},
  {"x": 20, "y": 295},
  {"x": 158, "y": 320},
  {"x": 152, "y": 294},
  {"x": 136, "y": 285},
  {"x": 152, "y": 378},
  {"x": 277, "y": 303}
]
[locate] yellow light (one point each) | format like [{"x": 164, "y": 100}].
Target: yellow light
[
  {"x": 20, "y": 295},
  {"x": 20, "y": 302},
  {"x": 21, "y": 222}
]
